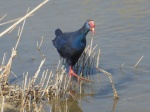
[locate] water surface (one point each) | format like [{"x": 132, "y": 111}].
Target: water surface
[{"x": 122, "y": 34}]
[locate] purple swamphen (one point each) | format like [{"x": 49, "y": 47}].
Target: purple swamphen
[{"x": 70, "y": 45}]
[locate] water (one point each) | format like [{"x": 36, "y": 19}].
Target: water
[{"x": 122, "y": 34}]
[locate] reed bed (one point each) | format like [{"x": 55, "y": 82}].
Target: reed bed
[
  {"x": 52, "y": 87},
  {"x": 86, "y": 63}
]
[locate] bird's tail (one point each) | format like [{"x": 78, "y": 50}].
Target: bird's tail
[{"x": 58, "y": 32}]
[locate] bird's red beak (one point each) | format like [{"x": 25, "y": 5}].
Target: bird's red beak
[
  {"x": 93, "y": 30},
  {"x": 92, "y": 26}
]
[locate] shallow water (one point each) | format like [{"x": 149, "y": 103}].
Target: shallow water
[{"x": 122, "y": 34}]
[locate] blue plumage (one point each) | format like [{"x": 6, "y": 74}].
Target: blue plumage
[{"x": 70, "y": 45}]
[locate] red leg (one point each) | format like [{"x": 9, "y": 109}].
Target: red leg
[{"x": 71, "y": 73}]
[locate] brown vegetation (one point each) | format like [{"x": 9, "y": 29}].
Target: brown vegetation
[{"x": 52, "y": 86}]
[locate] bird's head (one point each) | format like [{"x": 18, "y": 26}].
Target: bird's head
[{"x": 90, "y": 25}]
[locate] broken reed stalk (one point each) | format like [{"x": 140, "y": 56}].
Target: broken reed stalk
[
  {"x": 138, "y": 61},
  {"x": 10, "y": 21},
  {"x": 45, "y": 89},
  {"x": 37, "y": 72},
  {"x": 4, "y": 58},
  {"x": 27, "y": 15},
  {"x": 116, "y": 96},
  {"x": 39, "y": 45},
  {"x": 20, "y": 33},
  {"x": 98, "y": 58},
  {"x": 3, "y": 17},
  {"x": 6, "y": 70},
  {"x": 5, "y": 73}
]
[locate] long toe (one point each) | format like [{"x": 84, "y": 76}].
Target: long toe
[
  {"x": 79, "y": 78},
  {"x": 71, "y": 73}
]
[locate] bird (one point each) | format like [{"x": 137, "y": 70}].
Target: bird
[{"x": 70, "y": 45}]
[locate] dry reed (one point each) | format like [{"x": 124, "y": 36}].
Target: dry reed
[
  {"x": 52, "y": 87},
  {"x": 116, "y": 96},
  {"x": 23, "y": 18},
  {"x": 3, "y": 17},
  {"x": 138, "y": 62}
]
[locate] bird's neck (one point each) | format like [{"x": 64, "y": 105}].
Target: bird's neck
[
  {"x": 83, "y": 30},
  {"x": 80, "y": 40},
  {"x": 82, "y": 33}
]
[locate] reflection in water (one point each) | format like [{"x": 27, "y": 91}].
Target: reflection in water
[
  {"x": 114, "y": 105},
  {"x": 67, "y": 106},
  {"x": 76, "y": 93},
  {"x": 72, "y": 105}
]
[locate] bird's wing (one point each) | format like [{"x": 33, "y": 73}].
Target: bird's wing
[{"x": 60, "y": 40}]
